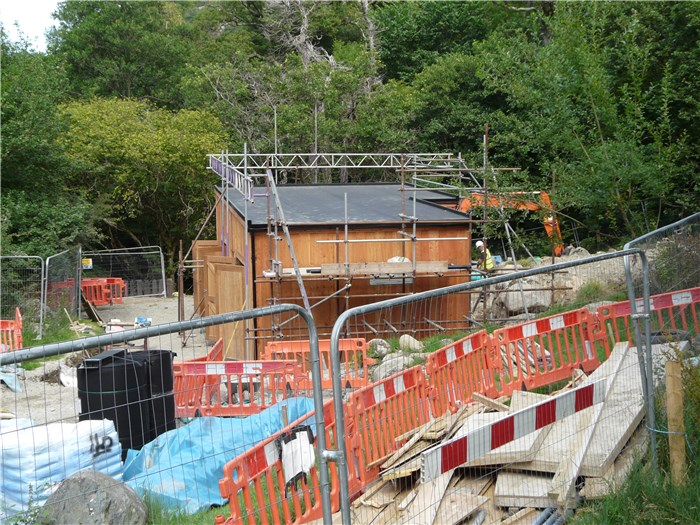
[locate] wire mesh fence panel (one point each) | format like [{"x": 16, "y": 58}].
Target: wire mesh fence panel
[
  {"x": 21, "y": 286},
  {"x": 141, "y": 269},
  {"x": 674, "y": 265},
  {"x": 451, "y": 422},
  {"x": 111, "y": 406},
  {"x": 485, "y": 425},
  {"x": 62, "y": 293}
]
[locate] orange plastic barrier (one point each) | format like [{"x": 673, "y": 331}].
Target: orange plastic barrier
[
  {"x": 117, "y": 289},
  {"x": 231, "y": 388},
  {"x": 670, "y": 311},
  {"x": 11, "y": 333},
  {"x": 101, "y": 291},
  {"x": 457, "y": 370},
  {"x": 379, "y": 413},
  {"x": 353, "y": 355},
  {"x": 95, "y": 292},
  {"x": 57, "y": 292},
  {"x": 186, "y": 389},
  {"x": 259, "y": 491},
  {"x": 544, "y": 351}
]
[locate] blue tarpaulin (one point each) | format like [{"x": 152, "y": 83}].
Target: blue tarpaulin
[{"x": 181, "y": 468}]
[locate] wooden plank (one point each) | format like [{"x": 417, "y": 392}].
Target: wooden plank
[
  {"x": 405, "y": 469},
  {"x": 458, "y": 504},
  {"x": 564, "y": 481},
  {"x": 515, "y": 489},
  {"x": 490, "y": 403},
  {"x": 378, "y": 496},
  {"x": 408, "y": 499},
  {"x": 415, "y": 449},
  {"x": 524, "y": 516},
  {"x": 384, "y": 268},
  {"x": 453, "y": 420},
  {"x": 475, "y": 485},
  {"x": 423, "y": 509},
  {"x": 493, "y": 513},
  {"x": 597, "y": 488},
  {"x": 406, "y": 448}
]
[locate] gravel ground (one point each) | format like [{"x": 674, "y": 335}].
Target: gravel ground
[{"x": 44, "y": 400}]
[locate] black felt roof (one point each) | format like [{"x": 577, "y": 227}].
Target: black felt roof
[{"x": 305, "y": 205}]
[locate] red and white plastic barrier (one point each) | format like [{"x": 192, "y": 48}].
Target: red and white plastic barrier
[{"x": 479, "y": 442}]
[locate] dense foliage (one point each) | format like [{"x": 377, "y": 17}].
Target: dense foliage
[{"x": 104, "y": 136}]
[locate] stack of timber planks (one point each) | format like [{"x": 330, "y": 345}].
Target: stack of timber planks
[{"x": 583, "y": 456}]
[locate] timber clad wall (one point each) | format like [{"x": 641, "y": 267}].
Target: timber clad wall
[{"x": 222, "y": 289}]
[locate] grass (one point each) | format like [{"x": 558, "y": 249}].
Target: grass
[
  {"x": 158, "y": 514},
  {"x": 55, "y": 331},
  {"x": 645, "y": 499}
]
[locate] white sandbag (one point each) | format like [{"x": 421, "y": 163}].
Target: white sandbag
[{"x": 35, "y": 460}]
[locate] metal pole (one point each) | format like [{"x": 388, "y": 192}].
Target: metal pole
[
  {"x": 42, "y": 298},
  {"x": 651, "y": 414},
  {"x": 181, "y": 287},
  {"x": 162, "y": 272}
]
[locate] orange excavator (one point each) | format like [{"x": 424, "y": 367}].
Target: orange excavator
[{"x": 520, "y": 200}]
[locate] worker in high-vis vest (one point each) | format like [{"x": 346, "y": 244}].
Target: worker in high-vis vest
[{"x": 485, "y": 263}]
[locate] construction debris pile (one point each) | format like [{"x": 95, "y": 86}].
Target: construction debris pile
[{"x": 548, "y": 471}]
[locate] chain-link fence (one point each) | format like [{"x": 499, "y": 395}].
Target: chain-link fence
[
  {"x": 22, "y": 286},
  {"x": 142, "y": 269}
]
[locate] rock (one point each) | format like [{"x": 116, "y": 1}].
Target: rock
[
  {"x": 533, "y": 298},
  {"x": 90, "y": 497},
  {"x": 593, "y": 307},
  {"x": 390, "y": 365},
  {"x": 579, "y": 252},
  {"x": 380, "y": 347},
  {"x": 407, "y": 342},
  {"x": 446, "y": 342}
]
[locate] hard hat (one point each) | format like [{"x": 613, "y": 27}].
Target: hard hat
[{"x": 479, "y": 244}]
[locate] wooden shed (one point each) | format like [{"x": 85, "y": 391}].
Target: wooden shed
[{"x": 353, "y": 244}]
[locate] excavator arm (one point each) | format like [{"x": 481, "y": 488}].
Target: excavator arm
[{"x": 520, "y": 200}]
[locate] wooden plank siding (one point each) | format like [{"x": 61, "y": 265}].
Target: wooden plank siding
[{"x": 312, "y": 254}]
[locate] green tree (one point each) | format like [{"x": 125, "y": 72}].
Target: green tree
[
  {"x": 40, "y": 214},
  {"x": 603, "y": 141},
  {"x": 414, "y": 35},
  {"x": 127, "y": 49},
  {"x": 147, "y": 164}
]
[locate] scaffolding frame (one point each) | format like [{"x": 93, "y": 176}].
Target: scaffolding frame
[{"x": 241, "y": 171}]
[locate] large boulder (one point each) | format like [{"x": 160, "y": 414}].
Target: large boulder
[
  {"x": 90, "y": 497},
  {"x": 526, "y": 295},
  {"x": 390, "y": 365},
  {"x": 380, "y": 347},
  {"x": 410, "y": 344}
]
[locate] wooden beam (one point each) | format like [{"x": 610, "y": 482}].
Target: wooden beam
[
  {"x": 676, "y": 425},
  {"x": 384, "y": 268},
  {"x": 524, "y": 516},
  {"x": 424, "y": 507},
  {"x": 491, "y": 403},
  {"x": 523, "y": 490}
]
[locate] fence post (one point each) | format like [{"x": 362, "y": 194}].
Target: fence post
[{"x": 676, "y": 425}]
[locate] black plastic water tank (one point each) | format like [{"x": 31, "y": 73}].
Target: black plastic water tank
[
  {"x": 113, "y": 385},
  {"x": 160, "y": 389}
]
